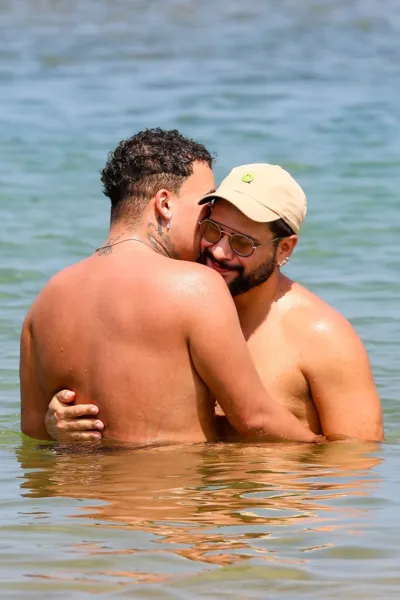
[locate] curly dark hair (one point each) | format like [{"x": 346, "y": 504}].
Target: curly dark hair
[{"x": 148, "y": 161}]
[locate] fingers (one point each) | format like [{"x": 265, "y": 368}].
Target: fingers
[
  {"x": 81, "y": 425},
  {"x": 83, "y": 436},
  {"x": 84, "y": 430},
  {"x": 61, "y": 400},
  {"x": 57, "y": 406},
  {"x": 66, "y": 396},
  {"x": 75, "y": 412},
  {"x": 66, "y": 423}
]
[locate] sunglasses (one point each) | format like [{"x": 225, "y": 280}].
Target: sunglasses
[{"x": 240, "y": 243}]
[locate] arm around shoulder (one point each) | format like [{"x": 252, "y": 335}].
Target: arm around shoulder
[{"x": 221, "y": 358}]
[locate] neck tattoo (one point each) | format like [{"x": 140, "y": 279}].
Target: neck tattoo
[{"x": 108, "y": 248}]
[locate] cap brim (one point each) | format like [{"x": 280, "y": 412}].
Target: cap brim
[{"x": 246, "y": 204}]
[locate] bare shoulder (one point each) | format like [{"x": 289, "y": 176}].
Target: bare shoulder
[
  {"x": 197, "y": 294},
  {"x": 335, "y": 363},
  {"x": 58, "y": 286},
  {"x": 316, "y": 323},
  {"x": 195, "y": 281}
]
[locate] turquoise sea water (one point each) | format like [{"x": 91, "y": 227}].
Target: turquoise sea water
[{"x": 312, "y": 85}]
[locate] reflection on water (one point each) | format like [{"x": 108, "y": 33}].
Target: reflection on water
[{"x": 212, "y": 504}]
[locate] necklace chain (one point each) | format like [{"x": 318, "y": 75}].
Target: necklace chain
[{"x": 132, "y": 239}]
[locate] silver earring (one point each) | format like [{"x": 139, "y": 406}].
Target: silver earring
[
  {"x": 284, "y": 262},
  {"x": 168, "y": 226}
]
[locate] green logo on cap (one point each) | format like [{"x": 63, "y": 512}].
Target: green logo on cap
[{"x": 248, "y": 177}]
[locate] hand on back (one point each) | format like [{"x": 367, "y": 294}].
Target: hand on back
[{"x": 71, "y": 423}]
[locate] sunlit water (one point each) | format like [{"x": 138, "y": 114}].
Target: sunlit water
[{"x": 311, "y": 85}]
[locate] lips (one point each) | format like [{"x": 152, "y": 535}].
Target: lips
[{"x": 216, "y": 266}]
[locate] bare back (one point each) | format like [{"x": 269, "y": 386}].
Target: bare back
[{"x": 110, "y": 328}]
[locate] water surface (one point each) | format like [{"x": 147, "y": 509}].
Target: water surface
[{"x": 311, "y": 85}]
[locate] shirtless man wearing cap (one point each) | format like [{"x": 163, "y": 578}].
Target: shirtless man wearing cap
[
  {"x": 152, "y": 340},
  {"x": 304, "y": 350}
]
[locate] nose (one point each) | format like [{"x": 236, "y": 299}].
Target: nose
[{"x": 222, "y": 250}]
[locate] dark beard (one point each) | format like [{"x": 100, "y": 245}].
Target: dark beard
[{"x": 243, "y": 282}]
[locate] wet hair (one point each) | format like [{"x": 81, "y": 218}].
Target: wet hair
[
  {"x": 148, "y": 161},
  {"x": 280, "y": 229}
]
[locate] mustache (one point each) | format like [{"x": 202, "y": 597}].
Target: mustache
[{"x": 222, "y": 264}]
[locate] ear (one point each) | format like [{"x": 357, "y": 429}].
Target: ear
[
  {"x": 205, "y": 212},
  {"x": 163, "y": 204},
  {"x": 285, "y": 248}
]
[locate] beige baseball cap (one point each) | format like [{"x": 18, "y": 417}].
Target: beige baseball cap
[{"x": 264, "y": 193}]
